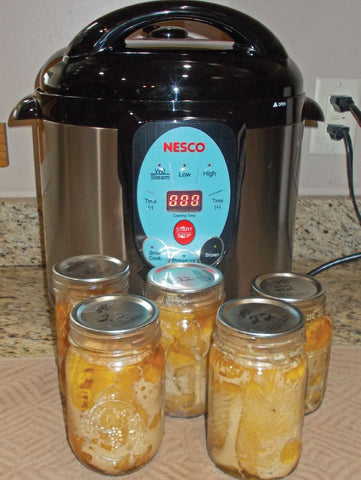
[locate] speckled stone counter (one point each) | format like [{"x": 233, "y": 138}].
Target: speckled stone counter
[
  {"x": 325, "y": 229},
  {"x": 26, "y": 317}
]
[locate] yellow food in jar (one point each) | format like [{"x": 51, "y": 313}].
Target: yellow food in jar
[
  {"x": 255, "y": 415},
  {"x": 318, "y": 346},
  {"x": 318, "y": 333},
  {"x": 74, "y": 280},
  {"x": 186, "y": 338},
  {"x": 188, "y": 296},
  {"x": 308, "y": 295},
  {"x": 62, "y": 310},
  {"x": 115, "y": 410},
  {"x": 63, "y": 306}
]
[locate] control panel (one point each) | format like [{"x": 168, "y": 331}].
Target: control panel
[{"x": 183, "y": 203}]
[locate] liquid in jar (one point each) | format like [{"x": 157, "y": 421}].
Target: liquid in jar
[
  {"x": 75, "y": 279},
  {"x": 115, "y": 369},
  {"x": 307, "y": 294},
  {"x": 257, "y": 382},
  {"x": 188, "y": 296}
]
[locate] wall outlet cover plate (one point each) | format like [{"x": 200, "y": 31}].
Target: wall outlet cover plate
[{"x": 320, "y": 141}]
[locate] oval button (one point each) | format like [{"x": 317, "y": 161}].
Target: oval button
[
  {"x": 155, "y": 251},
  {"x": 182, "y": 256},
  {"x": 212, "y": 251}
]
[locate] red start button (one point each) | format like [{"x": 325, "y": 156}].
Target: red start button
[{"x": 184, "y": 232}]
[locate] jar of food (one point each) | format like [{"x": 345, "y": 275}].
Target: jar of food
[
  {"x": 257, "y": 382},
  {"x": 76, "y": 279},
  {"x": 188, "y": 296},
  {"x": 307, "y": 294},
  {"x": 115, "y": 383}
]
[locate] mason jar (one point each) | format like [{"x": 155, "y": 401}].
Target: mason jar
[
  {"x": 76, "y": 279},
  {"x": 257, "y": 382},
  {"x": 188, "y": 296},
  {"x": 115, "y": 383},
  {"x": 307, "y": 294}
]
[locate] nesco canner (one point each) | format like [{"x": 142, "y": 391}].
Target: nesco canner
[{"x": 168, "y": 132}]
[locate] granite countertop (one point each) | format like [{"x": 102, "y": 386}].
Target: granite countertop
[{"x": 325, "y": 229}]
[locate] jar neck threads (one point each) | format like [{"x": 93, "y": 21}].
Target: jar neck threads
[
  {"x": 262, "y": 348},
  {"x": 77, "y": 277},
  {"x": 121, "y": 345},
  {"x": 260, "y": 328}
]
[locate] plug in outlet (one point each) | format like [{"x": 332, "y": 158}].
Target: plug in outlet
[{"x": 320, "y": 141}]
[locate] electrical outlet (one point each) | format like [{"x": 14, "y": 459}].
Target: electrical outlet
[{"x": 320, "y": 141}]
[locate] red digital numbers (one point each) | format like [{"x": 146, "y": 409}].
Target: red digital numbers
[{"x": 184, "y": 201}]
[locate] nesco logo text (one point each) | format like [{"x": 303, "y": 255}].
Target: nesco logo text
[{"x": 184, "y": 147}]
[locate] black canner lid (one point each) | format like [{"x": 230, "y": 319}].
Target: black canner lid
[{"x": 102, "y": 68}]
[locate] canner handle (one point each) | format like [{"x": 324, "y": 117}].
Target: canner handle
[
  {"x": 27, "y": 109},
  {"x": 312, "y": 111},
  {"x": 250, "y": 37}
]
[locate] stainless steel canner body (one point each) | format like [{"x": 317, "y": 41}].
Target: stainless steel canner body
[
  {"x": 136, "y": 70},
  {"x": 81, "y": 196},
  {"x": 84, "y": 209}
]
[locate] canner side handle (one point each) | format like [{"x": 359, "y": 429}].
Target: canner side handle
[
  {"x": 27, "y": 109},
  {"x": 312, "y": 111}
]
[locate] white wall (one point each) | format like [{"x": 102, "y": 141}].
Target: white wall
[{"x": 322, "y": 36}]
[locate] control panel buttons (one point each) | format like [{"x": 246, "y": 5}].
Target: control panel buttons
[
  {"x": 184, "y": 232},
  {"x": 183, "y": 190},
  {"x": 184, "y": 256},
  {"x": 159, "y": 174},
  {"x": 155, "y": 251},
  {"x": 184, "y": 172},
  {"x": 212, "y": 251},
  {"x": 209, "y": 172}
]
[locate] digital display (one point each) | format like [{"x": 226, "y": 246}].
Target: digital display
[{"x": 184, "y": 201}]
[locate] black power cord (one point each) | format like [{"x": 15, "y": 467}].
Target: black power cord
[
  {"x": 340, "y": 132},
  {"x": 343, "y": 103}
]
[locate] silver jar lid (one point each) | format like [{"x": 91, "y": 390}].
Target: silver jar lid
[
  {"x": 113, "y": 314},
  {"x": 184, "y": 277},
  {"x": 90, "y": 269},
  {"x": 295, "y": 288},
  {"x": 261, "y": 317}
]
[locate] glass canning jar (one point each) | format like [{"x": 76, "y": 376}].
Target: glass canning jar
[
  {"x": 307, "y": 294},
  {"x": 115, "y": 383},
  {"x": 188, "y": 296},
  {"x": 76, "y": 279},
  {"x": 257, "y": 381}
]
